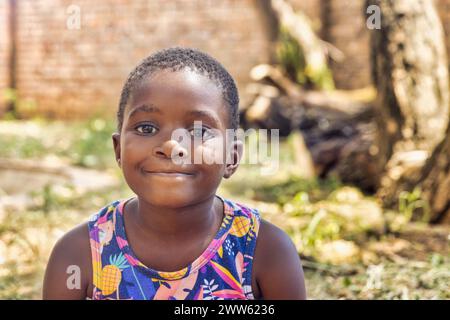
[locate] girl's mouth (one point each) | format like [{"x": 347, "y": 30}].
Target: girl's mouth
[{"x": 169, "y": 174}]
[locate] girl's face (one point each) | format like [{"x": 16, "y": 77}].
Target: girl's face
[{"x": 161, "y": 166}]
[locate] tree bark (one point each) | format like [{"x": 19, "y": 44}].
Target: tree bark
[
  {"x": 435, "y": 182},
  {"x": 409, "y": 70}
]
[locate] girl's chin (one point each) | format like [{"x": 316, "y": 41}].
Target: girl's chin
[{"x": 169, "y": 199}]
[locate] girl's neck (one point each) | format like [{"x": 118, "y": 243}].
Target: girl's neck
[{"x": 176, "y": 224}]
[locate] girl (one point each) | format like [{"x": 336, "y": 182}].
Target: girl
[{"x": 176, "y": 239}]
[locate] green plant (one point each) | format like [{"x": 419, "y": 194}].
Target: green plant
[
  {"x": 14, "y": 146},
  {"x": 284, "y": 192},
  {"x": 291, "y": 56},
  {"x": 410, "y": 202},
  {"x": 93, "y": 147}
]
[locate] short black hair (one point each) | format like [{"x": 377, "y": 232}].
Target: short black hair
[{"x": 175, "y": 59}]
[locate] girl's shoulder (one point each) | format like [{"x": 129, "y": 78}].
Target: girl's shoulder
[
  {"x": 276, "y": 253},
  {"x": 70, "y": 258}
]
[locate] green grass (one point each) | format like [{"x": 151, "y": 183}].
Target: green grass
[
  {"x": 81, "y": 143},
  {"x": 411, "y": 281},
  {"x": 317, "y": 214}
]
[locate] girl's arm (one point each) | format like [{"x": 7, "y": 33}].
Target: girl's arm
[
  {"x": 69, "y": 268},
  {"x": 278, "y": 269}
]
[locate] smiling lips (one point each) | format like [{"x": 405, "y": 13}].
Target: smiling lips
[{"x": 169, "y": 173}]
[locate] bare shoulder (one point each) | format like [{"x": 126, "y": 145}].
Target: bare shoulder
[
  {"x": 278, "y": 269},
  {"x": 69, "y": 262}
]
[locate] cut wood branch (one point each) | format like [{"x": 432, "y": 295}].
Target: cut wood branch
[
  {"x": 302, "y": 155},
  {"x": 335, "y": 101},
  {"x": 299, "y": 27}
]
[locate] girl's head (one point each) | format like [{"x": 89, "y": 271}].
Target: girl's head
[{"x": 167, "y": 92}]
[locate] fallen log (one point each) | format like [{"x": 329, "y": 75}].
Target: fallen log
[{"x": 336, "y": 128}]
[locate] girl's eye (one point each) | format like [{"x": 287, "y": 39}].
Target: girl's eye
[
  {"x": 202, "y": 133},
  {"x": 146, "y": 129}
]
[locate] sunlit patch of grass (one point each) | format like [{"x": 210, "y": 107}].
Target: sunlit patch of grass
[
  {"x": 295, "y": 188},
  {"x": 25, "y": 284},
  {"x": 83, "y": 143},
  {"x": 17, "y": 147},
  {"x": 51, "y": 199},
  {"x": 32, "y": 138},
  {"x": 93, "y": 147},
  {"x": 387, "y": 280}
]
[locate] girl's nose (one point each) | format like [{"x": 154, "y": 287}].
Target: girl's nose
[{"x": 171, "y": 149}]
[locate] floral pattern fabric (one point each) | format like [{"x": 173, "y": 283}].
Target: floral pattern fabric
[{"x": 222, "y": 271}]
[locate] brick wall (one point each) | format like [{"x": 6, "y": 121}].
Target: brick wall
[
  {"x": 4, "y": 51},
  {"x": 70, "y": 73},
  {"x": 347, "y": 31}
]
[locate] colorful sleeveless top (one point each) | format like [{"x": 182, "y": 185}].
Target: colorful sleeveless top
[{"x": 222, "y": 271}]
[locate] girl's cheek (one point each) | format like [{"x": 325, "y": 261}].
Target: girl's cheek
[{"x": 134, "y": 147}]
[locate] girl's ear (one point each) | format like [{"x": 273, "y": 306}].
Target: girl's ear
[
  {"x": 235, "y": 157},
  {"x": 116, "y": 144}
]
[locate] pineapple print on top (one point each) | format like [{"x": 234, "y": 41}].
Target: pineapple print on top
[
  {"x": 112, "y": 273},
  {"x": 222, "y": 271}
]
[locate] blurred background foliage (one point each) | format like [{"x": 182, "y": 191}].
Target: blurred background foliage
[{"x": 290, "y": 56}]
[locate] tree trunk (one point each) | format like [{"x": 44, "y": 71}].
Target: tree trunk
[
  {"x": 409, "y": 69},
  {"x": 435, "y": 182}
]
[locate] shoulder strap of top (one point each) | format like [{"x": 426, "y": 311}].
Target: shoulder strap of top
[
  {"x": 100, "y": 230},
  {"x": 250, "y": 251},
  {"x": 254, "y": 220}
]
